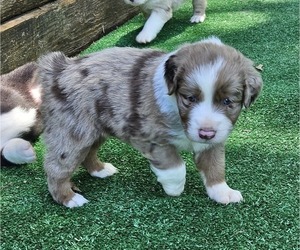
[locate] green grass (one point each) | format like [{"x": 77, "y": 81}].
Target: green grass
[{"x": 130, "y": 211}]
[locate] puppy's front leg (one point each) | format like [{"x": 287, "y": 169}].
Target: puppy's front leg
[
  {"x": 211, "y": 164},
  {"x": 172, "y": 179},
  {"x": 153, "y": 25},
  {"x": 166, "y": 164}
]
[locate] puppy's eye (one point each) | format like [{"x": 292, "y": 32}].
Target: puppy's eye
[
  {"x": 227, "y": 101},
  {"x": 191, "y": 98}
]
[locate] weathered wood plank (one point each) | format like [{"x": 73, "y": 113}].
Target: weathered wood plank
[
  {"x": 12, "y": 8},
  {"x": 65, "y": 25}
]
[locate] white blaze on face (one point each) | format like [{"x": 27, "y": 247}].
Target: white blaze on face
[{"x": 204, "y": 118}]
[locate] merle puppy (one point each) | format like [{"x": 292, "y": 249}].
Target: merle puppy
[{"x": 160, "y": 103}]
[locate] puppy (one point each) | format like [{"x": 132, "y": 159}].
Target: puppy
[
  {"x": 21, "y": 123},
  {"x": 160, "y": 103},
  {"x": 161, "y": 11}
]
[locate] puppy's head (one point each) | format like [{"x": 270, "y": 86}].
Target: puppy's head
[
  {"x": 135, "y": 2},
  {"x": 211, "y": 82}
]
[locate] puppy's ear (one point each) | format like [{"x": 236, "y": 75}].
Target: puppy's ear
[
  {"x": 170, "y": 73},
  {"x": 253, "y": 86}
]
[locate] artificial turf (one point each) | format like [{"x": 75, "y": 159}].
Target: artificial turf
[{"x": 130, "y": 210}]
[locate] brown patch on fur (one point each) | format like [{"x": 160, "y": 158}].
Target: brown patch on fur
[
  {"x": 134, "y": 119},
  {"x": 188, "y": 95},
  {"x": 211, "y": 163},
  {"x": 58, "y": 92},
  {"x": 84, "y": 72},
  {"x": 252, "y": 86},
  {"x": 230, "y": 85},
  {"x": 170, "y": 72},
  {"x": 104, "y": 108}
]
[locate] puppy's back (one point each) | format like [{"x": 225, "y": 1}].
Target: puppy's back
[{"x": 112, "y": 88}]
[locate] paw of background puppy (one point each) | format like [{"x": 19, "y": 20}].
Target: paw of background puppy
[
  {"x": 145, "y": 37},
  {"x": 19, "y": 151},
  {"x": 198, "y": 18}
]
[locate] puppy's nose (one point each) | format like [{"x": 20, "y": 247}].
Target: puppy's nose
[{"x": 207, "y": 133}]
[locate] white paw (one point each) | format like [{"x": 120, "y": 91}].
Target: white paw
[
  {"x": 108, "y": 170},
  {"x": 145, "y": 37},
  {"x": 76, "y": 201},
  {"x": 19, "y": 151},
  {"x": 198, "y": 18},
  {"x": 222, "y": 193},
  {"x": 172, "y": 180},
  {"x": 174, "y": 189}
]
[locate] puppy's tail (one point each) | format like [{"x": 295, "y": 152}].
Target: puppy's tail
[{"x": 51, "y": 67}]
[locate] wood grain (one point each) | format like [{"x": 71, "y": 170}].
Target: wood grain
[
  {"x": 12, "y": 8},
  {"x": 65, "y": 25}
]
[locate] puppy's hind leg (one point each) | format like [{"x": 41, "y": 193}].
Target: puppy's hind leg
[
  {"x": 94, "y": 166},
  {"x": 59, "y": 169}
]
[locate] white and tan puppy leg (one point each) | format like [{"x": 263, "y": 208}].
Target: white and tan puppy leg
[
  {"x": 153, "y": 25},
  {"x": 172, "y": 179},
  {"x": 18, "y": 151},
  {"x": 166, "y": 164},
  {"x": 211, "y": 164}
]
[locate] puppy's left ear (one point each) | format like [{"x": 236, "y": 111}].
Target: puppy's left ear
[
  {"x": 253, "y": 86},
  {"x": 170, "y": 74}
]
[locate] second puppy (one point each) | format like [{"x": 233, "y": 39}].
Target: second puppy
[
  {"x": 21, "y": 124},
  {"x": 160, "y": 103},
  {"x": 159, "y": 12}
]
